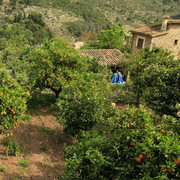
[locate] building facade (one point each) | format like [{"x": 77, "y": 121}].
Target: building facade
[{"x": 165, "y": 35}]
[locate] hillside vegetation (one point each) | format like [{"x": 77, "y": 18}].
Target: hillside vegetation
[{"x": 69, "y": 18}]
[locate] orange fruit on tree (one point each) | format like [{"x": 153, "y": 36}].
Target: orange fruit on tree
[
  {"x": 138, "y": 160},
  {"x": 163, "y": 131},
  {"x": 176, "y": 161},
  {"x": 141, "y": 156},
  {"x": 131, "y": 115},
  {"x": 130, "y": 124}
]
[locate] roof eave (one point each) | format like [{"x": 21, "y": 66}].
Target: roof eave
[{"x": 150, "y": 35}]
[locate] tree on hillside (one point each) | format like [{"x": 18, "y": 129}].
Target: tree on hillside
[{"x": 150, "y": 69}]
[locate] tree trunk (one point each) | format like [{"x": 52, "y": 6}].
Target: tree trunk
[{"x": 139, "y": 97}]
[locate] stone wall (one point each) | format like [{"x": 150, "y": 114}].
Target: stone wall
[
  {"x": 147, "y": 42},
  {"x": 164, "y": 41},
  {"x": 167, "y": 41}
]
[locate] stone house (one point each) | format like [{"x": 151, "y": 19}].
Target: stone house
[{"x": 165, "y": 35}]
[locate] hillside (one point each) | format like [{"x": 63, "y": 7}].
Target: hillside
[{"x": 69, "y": 18}]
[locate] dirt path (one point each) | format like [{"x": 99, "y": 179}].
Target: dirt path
[{"x": 41, "y": 141}]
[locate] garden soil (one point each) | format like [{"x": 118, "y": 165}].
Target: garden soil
[{"x": 41, "y": 141}]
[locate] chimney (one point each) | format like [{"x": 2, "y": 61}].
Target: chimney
[{"x": 164, "y": 23}]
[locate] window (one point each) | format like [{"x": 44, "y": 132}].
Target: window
[
  {"x": 175, "y": 42},
  {"x": 140, "y": 43}
]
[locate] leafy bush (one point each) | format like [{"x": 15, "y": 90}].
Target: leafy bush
[
  {"x": 12, "y": 103},
  {"x": 13, "y": 146},
  {"x": 164, "y": 94},
  {"x": 134, "y": 149},
  {"x": 83, "y": 103},
  {"x": 37, "y": 18},
  {"x": 4, "y": 169},
  {"x": 15, "y": 60}
]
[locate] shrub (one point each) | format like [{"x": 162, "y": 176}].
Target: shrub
[
  {"x": 4, "y": 169},
  {"x": 134, "y": 149},
  {"x": 15, "y": 60},
  {"x": 12, "y": 103},
  {"x": 13, "y": 146},
  {"x": 164, "y": 94},
  {"x": 84, "y": 102}
]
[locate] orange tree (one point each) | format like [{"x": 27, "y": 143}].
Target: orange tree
[
  {"x": 12, "y": 103},
  {"x": 164, "y": 93},
  {"x": 134, "y": 146},
  {"x": 53, "y": 66},
  {"x": 84, "y": 102},
  {"x": 143, "y": 65}
]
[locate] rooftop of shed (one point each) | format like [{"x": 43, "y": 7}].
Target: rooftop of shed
[{"x": 106, "y": 56}]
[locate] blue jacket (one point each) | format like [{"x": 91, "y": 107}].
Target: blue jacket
[{"x": 115, "y": 80}]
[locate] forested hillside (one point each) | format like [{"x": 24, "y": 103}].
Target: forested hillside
[
  {"x": 98, "y": 14},
  {"x": 69, "y": 18}
]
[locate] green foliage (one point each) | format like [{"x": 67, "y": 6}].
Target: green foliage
[
  {"x": 54, "y": 66},
  {"x": 24, "y": 162},
  {"x": 12, "y": 103},
  {"x": 15, "y": 60},
  {"x": 13, "y": 146},
  {"x": 131, "y": 148},
  {"x": 23, "y": 30},
  {"x": 84, "y": 103},
  {"x": 13, "y": 3},
  {"x": 39, "y": 100},
  {"x": 164, "y": 94},
  {"x": 4, "y": 169},
  {"x": 92, "y": 18},
  {"x": 149, "y": 70},
  {"x": 96, "y": 15},
  {"x": 111, "y": 39},
  {"x": 37, "y": 18}
]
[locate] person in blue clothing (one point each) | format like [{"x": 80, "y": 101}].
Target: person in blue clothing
[{"x": 116, "y": 78}]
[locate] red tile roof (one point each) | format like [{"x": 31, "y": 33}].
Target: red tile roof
[{"x": 106, "y": 56}]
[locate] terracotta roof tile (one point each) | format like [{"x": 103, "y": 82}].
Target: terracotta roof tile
[{"x": 106, "y": 56}]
